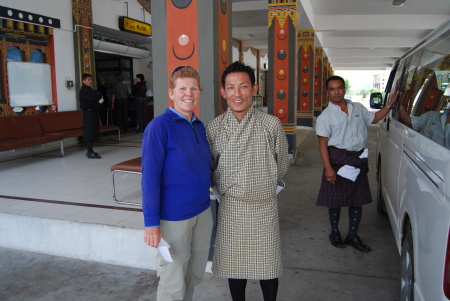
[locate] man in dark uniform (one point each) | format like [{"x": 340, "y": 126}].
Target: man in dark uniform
[
  {"x": 90, "y": 103},
  {"x": 119, "y": 103},
  {"x": 139, "y": 92}
]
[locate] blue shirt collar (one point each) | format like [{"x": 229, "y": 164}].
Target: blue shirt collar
[{"x": 194, "y": 118}]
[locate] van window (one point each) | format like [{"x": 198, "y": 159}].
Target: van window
[
  {"x": 411, "y": 84},
  {"x": 396, "y": 80},
  {"x": 427, "y": 92}
]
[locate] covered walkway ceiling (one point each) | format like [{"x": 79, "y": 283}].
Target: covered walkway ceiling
[{"x": 355, "y": 34}]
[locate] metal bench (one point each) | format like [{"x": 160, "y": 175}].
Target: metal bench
[{"x": 132, "y": 166}]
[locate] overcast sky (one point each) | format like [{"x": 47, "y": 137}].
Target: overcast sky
[{"x": 360, "y": 79}]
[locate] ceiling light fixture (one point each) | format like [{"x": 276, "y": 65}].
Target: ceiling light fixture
[{"x": 398, "y": 3}]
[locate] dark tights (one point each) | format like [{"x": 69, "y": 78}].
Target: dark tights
[{"x": 269, "y": 288}]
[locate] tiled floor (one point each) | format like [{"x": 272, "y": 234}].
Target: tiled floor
[{"x": 48, "y": 186}]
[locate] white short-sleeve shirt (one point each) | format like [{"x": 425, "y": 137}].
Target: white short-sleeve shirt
[
  {"x": 345, "y": 131},
  {"x": 432, "y": 125}
]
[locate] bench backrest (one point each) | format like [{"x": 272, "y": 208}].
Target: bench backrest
[
  {"x": 7, "y": 129},
  {"x": 25, "y": 126},
  {"x": 60, "y": 121}
]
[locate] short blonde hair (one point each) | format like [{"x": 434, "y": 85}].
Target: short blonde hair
[{"x": 184, "y": 72}]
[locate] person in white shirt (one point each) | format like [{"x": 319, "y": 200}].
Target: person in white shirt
[
  {"x": 433, "y": 125},
  {"x": 342, "y": 133}
]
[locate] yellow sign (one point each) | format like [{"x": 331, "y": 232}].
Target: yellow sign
[{"x": 135, "y": 26}]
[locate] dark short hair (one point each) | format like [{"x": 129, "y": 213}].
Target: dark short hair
[
  {"x": 238, "y": 67},
  {"x": 335, "y": 77},
  {"x": 85, "y": 76},
  {"x": 140, "y": 76}
]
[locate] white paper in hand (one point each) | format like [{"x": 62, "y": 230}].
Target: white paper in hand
[
  {"x": 280, "y": 186},
  {"x": 163, "y": 249},
  {"x": 101, "y": 100},
  {"x": 349, "y": 172},
  {"x": 216, "y": 193}
]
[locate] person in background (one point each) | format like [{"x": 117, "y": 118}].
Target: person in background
[
  {"x": 433, "y": 124},
  {"x": 139, "y": 91},
  {"x": 101, "y": 87},
  {"x": 175, "y": 188},
  {"x": 119, "y": 103},
  {"x": 342, "y": 133},
  {"x": 90, "y": 103},
  {"x": 249, "y": 154}
]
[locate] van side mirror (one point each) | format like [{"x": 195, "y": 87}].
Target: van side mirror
[{"x": 376, "y": 100}]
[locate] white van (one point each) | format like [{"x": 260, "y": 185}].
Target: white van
[{"x": 413, "y": 166}]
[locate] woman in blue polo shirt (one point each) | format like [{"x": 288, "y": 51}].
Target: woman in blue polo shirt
[{"x": 175, "y": 188}]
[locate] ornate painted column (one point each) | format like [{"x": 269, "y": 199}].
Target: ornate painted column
[
  {"x": 194, "y": 33},
  {"x": 225, "y": 48},
  {"x": 282, "y": 96},
  {"x": 318, "y": 81},
  {"x": 305, "y": 96},
  {"x": 83, "y": 35},
  {"x": 330, "y": 72},
  {"x": 325, "y": 76}
]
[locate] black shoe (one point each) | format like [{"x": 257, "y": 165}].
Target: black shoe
[
  {"x": 93, "y": 155},
  {"x": 356, "y": 243},
  {"x": 336, "y": 240}
]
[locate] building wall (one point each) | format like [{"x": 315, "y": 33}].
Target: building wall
[
  {"x": 110, "y": 18},
  {"x": 250, "y": 59},
  {"x": 116, "y": 8},
  {"x": 235, "y": 54},
  {"x": 104, "y": 15},
  {"x": 63, "y": 37}
]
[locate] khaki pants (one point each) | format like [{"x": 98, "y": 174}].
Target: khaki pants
[{"x": 189, "y": 242}]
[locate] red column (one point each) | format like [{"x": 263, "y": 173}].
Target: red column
[
  {"x": 325, "y": 75},
  {"x": 194, "y": 33},
  {"x": 282, "y": 96},
  {"x": 318, "y": 81},
  {"x": 305, "y": 96},
  {"x": 225, "y": 45},
  {"x": 182, "y": 37}
]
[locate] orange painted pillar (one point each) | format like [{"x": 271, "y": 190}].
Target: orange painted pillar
[
  {"x": 194, "y": 33},
  {"x": 182, "y": 37},
  {"x": 282, "y": 96},
  {"x": 305, "y": 96},
  {"x": 225, "y": 47},
  {"x": 325, "y": 75},
  {"x": 330, "y": 72},
  {"x": 318, "y": 81}
]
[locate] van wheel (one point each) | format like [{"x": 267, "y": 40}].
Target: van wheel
[
  {"x": 407, "y": 269},
  {"x": 381, "y": 206}
]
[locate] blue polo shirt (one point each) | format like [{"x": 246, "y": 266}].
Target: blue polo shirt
[{"x": 175, "y": 169}]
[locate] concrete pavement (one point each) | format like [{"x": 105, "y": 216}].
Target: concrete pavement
[{"x": 314, "y": 270}]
